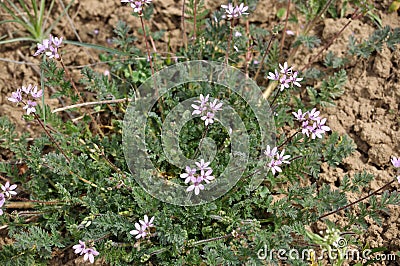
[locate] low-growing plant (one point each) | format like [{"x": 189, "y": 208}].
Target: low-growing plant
[
  {"x": 222, "y": 170},
  {"x": 33, "y": 19}
]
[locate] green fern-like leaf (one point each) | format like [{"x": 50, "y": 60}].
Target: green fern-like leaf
[
  {"x": 331, "y": 88},
  {"x": 338, "y": 148},
  {"x": 37, "y": 239},
  {"x": 196, "y": 7}
]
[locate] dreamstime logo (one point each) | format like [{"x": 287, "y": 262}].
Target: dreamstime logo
[
  {"x": 340, "y": 243},
  {"x": 339, "y": 251},
  {"x": 139, "y": 154}
]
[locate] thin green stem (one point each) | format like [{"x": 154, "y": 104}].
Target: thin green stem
[
  {"x": 357, "y": 201},
  {"x": 285, "y": 28},
  {"x": 201, "y": 142},
  {"x": 194, "y": 20},
  {"x": 275, "y": 97},
  {"x": 41, "y": 12},
  {"x": 229, "y": 43},
  {"x": 288, "y": 139},
  {"x": 79, "y": 96},
  {"x": 42, "y": 88},
  {"x": 355, "y": 15},
  {"x": 184, "y": 35},
  {"x": 200, "y": 242},
  {"x": 307, "y": 28},
  {"x": 265, "y": 55},
  {"x": 39, "y": 201},
  {"x": 51, "y": 137},
  {"x": 27, "y": 11},
  {"x": 63, "y": 153},
  {"x": 249, "y": 49},
  {"x": 310, "y": 24},
  {"x": 147, "y": 45}
]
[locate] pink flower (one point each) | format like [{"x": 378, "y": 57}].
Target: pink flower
[
  {"x": 56, "y": 41},
  {"x": 285, "y": 76},
  {"x": 53, "y": 52},
  {"x": 285, "y": 82},
  {"x": 208, "y": 118},
  {"x": 234, "y": 12},
  {"x": 295, "y": 80},
  {"x": 271, "y": 152},
  {"x": 189, "y": 175},
  {"x": 196, "y": 180},
  {"x": 198, "y": 109},
  {"x": 206, "y": 176},
  {"x": 141, "y": 227},
  {"x": 139, "y": 231},
  {"x": 146, "y": 222},
  {"x": 305, "y": 128},
  {"x": 42, "y": 47},
  {"x": 137, "y": 5},
  {"x": 196, "y": 186},
  {"x": 8, "y": 190},
  {"x": 27, "y": 90},
  {"x": 202, "y": 165},
  {"x": 89, "y": 254},
  {"x": 283, "y": 158},
  {"x": 273, "y": 76},
  {"x": 241, "y": 10},
  {"x": 396, "y": 162},
  {"x": 313, "y": 114},
  {"x": 16, "y": 96},
  {"x": 321, "y": 125},
  {"x": 206, "y": 109},
  {"x": 49, "y": 47},
  {"x": 315, "y": 132},
  {"x": 229, "y": 10},
  {"x": 274, "y": 166},
  {"x": 289, "y": 32},
  {"x": 285, "y": 69},
  {"x": 30, "y": 107},
  {"x": 215, "y": 106},
  {"x": 203, "y": 100},
  {"x": 2, "y": 199},
  {"x": 299, "y": 115},
  {"x": 80, "y": 248},
  {"x": 35, "y": 93}
]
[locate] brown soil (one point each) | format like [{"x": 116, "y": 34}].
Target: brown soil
[{"x": 368, "y": 111}]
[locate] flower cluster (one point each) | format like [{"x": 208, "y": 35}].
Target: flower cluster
[
  {"x": 137, "y": 5},
  {"x": 285, "y": 76},
  {"x": 396, "y": 163},
  {"x": 234, "y": 12},
  {"x": 206, "y": 109},
  {"x": 141, "y": 227},
  {"x": 7, "y": 193},
  {"x": 49, "y": 47},
  {"x": 88, "y": 253},
  {"x": 277, "y": 159},
  {"x": 311, "y": 123},
  {"x": 196, "y": 179},
  {"x": 16, "y": 97}
]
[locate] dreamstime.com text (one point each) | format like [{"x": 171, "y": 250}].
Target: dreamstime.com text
[{"x": 332, "y": 254}]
